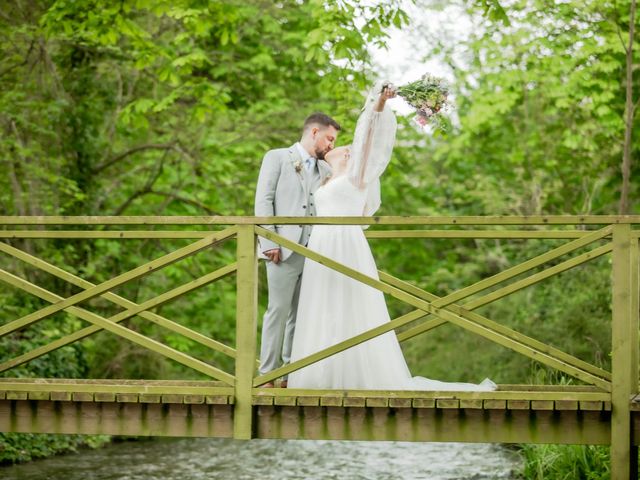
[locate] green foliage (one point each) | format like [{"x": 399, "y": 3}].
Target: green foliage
[
  {"x": 545, "y": 103},
  {"x": 493, "y": 10},
  {"x": 560, "y": 462},
  {"x": 537, "y": 130},
  {"x": 24, "y": 447},
  {"x": 161, "y": 107},
  {"x": 144, "y": 107}
]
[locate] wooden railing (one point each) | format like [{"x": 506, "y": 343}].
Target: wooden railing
[{"x": 593, "y": 236}]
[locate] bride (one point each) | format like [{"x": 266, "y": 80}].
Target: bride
[{"x": 334, "y": 307}]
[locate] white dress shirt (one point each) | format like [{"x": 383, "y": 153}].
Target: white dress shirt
[{"x": 308, "y": 161}]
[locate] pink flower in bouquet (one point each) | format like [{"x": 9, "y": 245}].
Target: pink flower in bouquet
[{"x": 421, "y": 120}]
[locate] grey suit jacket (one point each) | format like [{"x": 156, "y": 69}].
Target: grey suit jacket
[{"x": 283, "y": 191}]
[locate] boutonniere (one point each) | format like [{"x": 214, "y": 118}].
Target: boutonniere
[{"x": 298, "y": 166}]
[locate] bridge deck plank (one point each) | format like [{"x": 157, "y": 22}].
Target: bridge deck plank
[
  {"x": 424, "y": 402},
  {"x": 566, "y": 405},
  {"x": 471, "y": 403},
  {"x": 351, "y": 401},
  {"x": 399, "y": 402},
  {"x": 127, "y": 398},
  {"x": 309, "y": 401},
  {"x": 218, "y": 399},
  {"x": 507, "y": 397},
  {"x": 448, "y": 403},
  {"x": 82, "y": 397},
  {"x": 377, "y": 401},
  {"x": 542, "y": 404},
  {"x": 149, "y": 398},
  {"x": 289, "y": 401},
  {"x": 587, "y": 405},
  {"x": 495, "y": 404},
  {"x": 518, "y": 404}
]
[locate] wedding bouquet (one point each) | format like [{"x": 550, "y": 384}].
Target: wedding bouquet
[{"x": 428, "y": 96}]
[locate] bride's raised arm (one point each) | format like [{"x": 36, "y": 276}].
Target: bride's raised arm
[{"x": 372, "y": 145}]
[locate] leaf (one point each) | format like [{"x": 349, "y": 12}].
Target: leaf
[{"x": 224, "y": 37}]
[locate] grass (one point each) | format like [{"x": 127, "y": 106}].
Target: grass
[{"x": 566, "y": 462}]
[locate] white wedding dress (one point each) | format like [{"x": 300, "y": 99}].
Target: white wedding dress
[{"x": 334, "y": 307}]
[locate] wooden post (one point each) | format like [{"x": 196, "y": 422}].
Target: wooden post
[
  {"x": 246, "y": 328},
  {"x": 635, "y": 334},
  {"x": 624, "y": 362}
]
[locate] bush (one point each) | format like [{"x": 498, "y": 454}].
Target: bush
[{"x": 24, "y": 447}]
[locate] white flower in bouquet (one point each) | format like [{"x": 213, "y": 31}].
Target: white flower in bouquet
[{"x": 428, "y": 96}]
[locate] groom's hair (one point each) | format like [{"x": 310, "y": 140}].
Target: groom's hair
[{"x": 320, "y": 119}]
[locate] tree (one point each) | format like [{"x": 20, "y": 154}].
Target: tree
[
  {"x": 164, "y": 107},
  {"x": 629, "y": 112}
]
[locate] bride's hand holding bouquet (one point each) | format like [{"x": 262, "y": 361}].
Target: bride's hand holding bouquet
[{"x": 388, "y": 91}]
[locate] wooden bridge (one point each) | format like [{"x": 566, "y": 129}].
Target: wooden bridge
[{"x": 601, "y": 410}]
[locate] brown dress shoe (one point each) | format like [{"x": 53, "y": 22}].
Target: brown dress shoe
[{"x": 283, "y": 384}]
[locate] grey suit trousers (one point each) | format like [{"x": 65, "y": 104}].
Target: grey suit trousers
[{"x": 284, "y": 289}]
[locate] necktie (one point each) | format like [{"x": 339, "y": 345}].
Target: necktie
[{"x": 308, "y": 164}]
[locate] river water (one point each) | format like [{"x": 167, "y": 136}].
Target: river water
[{"x": 204, "y": 458}]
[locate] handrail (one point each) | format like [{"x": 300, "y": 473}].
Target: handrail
[
  {"x": 381, "y": 220},
  {"x": 373, "y": 234},
  {"x": 600, "y": 235}
]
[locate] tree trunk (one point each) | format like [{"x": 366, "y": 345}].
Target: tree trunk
[{"x": 629, "y": 110}]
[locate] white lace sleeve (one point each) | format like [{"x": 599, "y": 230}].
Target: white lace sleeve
[{"x": 371, "y": 149}]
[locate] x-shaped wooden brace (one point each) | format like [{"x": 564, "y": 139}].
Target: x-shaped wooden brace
[
  {"x": 446, "y": 310},
  {"x": 132, "y": 309}
]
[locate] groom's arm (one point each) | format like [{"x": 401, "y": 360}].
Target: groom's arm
[{"x": 266, "y": 194}]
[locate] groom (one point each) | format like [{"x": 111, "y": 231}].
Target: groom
[{"x": 286, "y": 184}]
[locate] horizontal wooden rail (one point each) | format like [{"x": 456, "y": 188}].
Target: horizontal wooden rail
[
  {"x": 390, "y": 220},
  {"x": 372, "y": 234}
]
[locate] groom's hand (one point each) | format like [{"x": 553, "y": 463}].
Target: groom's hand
[{"x": 273, "y": 255}]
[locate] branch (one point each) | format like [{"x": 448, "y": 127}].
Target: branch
[
  {"x": 130, "y": 200},
  {"x": 123, "y": 155},
  {"x": 20, "y": 64},
  {"x": 144, "y": 190},
  {"x": 180, "y": 148},
  {"x": 622, "y": 42},
  {"x": 186, "y": 200},
  {"x": 11, "y": 67}
]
